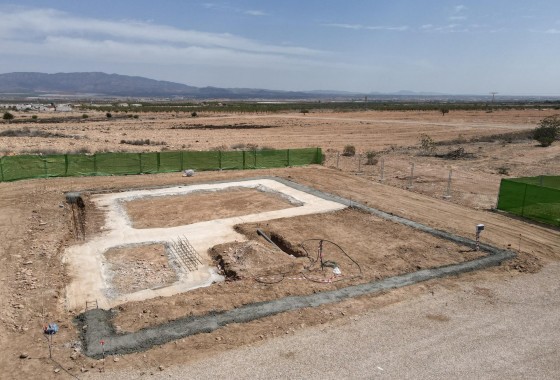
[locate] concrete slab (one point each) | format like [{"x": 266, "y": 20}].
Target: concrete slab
[{"x": 89, "y": 269}]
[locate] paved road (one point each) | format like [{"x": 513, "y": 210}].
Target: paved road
[{"x": 492, "y": 330}]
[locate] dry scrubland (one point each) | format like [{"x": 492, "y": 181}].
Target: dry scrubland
[{"x": 36, "y": 223}]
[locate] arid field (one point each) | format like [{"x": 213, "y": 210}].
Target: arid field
[{"x": 391, "y": 171}]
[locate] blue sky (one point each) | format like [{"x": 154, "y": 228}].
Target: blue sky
[{"x": 457, "y": 47}]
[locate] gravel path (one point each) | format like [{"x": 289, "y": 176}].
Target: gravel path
[{"x": 494, "y": 329}]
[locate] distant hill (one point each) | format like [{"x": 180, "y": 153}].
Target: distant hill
[
  {"x": 96, "y": 84},
  {"x": 101, "y": 84}
]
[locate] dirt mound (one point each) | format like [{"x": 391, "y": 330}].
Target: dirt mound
[
  {"x": 252, "y": 259},
  {"x": 524, "y": 263}
]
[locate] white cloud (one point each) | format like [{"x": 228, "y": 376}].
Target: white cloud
[
  {"x": 459, "y": 8},
  {"x": 401, "y": 28},
  {"x": 255, "y": 13},
  {"x": 41, "y": 26}
]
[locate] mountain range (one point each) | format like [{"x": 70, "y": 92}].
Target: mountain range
[{"x": 97, "y": 84}]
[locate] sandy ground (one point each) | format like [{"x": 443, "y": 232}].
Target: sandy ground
[
  {"x": 373, "y": 130},
  {"x": 35, "y": 226},
  {"x": 472, "y": 331}
]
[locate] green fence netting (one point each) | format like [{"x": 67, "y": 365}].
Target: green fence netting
[
  {"x": 13, "y": 168},
  {"x": 536, "y": 198}
]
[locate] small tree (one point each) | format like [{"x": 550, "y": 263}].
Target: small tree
[
  {"x": 547, "y": 131},
  {"x": 7, "y": 116}
]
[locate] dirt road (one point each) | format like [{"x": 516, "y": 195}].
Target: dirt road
[{"x": 491, "y": 329}]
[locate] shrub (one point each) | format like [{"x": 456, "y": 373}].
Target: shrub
[
  {"x": 503, "y": 170},
  {"x": 349, "y": 150},
  {"x": 371, "y": 158},
  {"x": 7, "y": 116},
  {"x": 143, "y": 142},
  {"x": 547, "y": 131},
  {"x": 427, "y": 144}
]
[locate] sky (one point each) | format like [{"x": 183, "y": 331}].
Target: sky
[{"x": 457, "y": 47}]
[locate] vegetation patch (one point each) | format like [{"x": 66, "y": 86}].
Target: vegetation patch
[
  {"x": 143, "y": 142},
  {"x": 27, "y": 132},
  {"x": 228, "y": 126}
]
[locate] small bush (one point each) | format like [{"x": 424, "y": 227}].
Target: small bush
[
  {"x": 7, "y": 116},
  {"x": 548, "y": 130},
  {"x": 371, "y": 158},
  {"x": 349, "y": 151},
  {"x": 503, "y": 170},
  {"x": 427, "y": 144}
]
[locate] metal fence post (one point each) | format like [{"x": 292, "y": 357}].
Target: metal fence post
[
  {"x": 411, "y": 175},
  {"x": 523, "y": 204},
  {"x": 448, "y": 192},
  {"x": 359, "y": 163}
]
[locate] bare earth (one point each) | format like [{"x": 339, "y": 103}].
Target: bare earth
[
  {"x": 174, "y": 211},
  {"x": 508, "y": 311}
]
